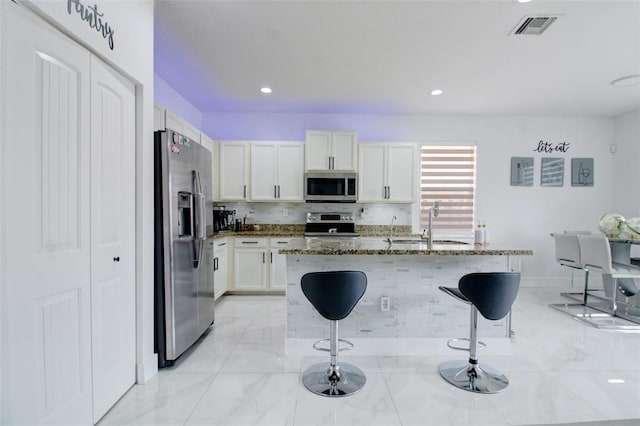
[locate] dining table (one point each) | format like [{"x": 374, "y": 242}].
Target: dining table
[{"x": 621, "y": 253}]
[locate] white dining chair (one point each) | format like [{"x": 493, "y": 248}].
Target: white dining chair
[
  {"x": 595, "y": 254},
  {"x": 568, "y": 254}
]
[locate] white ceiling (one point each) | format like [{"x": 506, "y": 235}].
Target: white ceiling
[{"x": 384, "y": 57}]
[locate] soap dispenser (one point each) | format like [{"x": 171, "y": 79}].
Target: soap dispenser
[{"x": 479, "y": 235}]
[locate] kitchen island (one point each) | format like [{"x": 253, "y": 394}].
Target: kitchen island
[{"x": 402, "y": 311}]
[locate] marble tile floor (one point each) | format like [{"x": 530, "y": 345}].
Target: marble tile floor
[{"x": 560, "y": 370}]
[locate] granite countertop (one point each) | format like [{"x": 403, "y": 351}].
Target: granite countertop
[
  {"x": 377, "y": 246},
  {"x": 371, "y": 242},
  {"x": 267, "y": 230}
]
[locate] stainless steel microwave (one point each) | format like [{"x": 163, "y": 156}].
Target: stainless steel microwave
[{"x": 330, "y": 187}]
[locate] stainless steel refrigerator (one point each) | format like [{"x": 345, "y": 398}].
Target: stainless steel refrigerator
[{"x": 184, "y": 296}]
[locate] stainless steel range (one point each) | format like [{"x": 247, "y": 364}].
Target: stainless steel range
[{"x": 330, "y": 225}]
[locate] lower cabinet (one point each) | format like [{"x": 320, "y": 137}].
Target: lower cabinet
[
  {"x": 258, "y": 266},
  {"x": 220, "y": 267},
  {"x": 250, "y": 264},
  {"x": 278, "y": 275}
]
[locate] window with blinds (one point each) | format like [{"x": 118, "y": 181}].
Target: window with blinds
[{"x": 448, "y": 175}]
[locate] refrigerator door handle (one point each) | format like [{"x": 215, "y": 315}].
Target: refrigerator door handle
[
  {"x": 198, "y": 247},
  {"x": 199, "y": 207},
  {"x": 199, "y": 216}
]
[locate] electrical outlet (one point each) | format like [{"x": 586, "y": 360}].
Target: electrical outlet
[
  {"x": 385, "y": 303},
  {"x": 285, "y": 212}
]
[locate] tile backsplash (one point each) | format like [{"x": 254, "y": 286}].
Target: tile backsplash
[{"x": 295, "y": 213}]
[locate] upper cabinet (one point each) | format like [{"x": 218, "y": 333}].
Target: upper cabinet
[
  {"x": 234, "y": 171},
  {"x": 277, "y": 171},
  {"x": 326, "y": 150},
  {"x": 158, "y": 117},
  {"x": 387, "y": 172},
  {"x": 213, "y": 147},
  {"x": 174, "y": 122}
]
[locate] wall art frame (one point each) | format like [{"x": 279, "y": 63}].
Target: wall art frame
[
  {"x": 582, "y": 172},
  {"x": 552, "y": 171},
  {"x": 522, "y": 171}
]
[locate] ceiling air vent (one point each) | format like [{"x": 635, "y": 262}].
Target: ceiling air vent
[{"x": 534, "y": 25}]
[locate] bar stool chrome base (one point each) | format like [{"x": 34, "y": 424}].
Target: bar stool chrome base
[
  {"x": 342, "y": 380},
  {"x": 479, "y": 378}
]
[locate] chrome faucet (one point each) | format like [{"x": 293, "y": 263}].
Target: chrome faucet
[
  {"x": 433, "y": 212},
  {"x": 390, "y": 237}
]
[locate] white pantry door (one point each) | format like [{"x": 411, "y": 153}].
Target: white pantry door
[
  {"x": 113, "y": 292},
  {"x": 45, "y": 153}
]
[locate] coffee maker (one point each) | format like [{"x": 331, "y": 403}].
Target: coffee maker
[{"x": 222, "y": 219}]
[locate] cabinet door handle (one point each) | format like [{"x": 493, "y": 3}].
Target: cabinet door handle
[
  {"x": 271, "y": 257},
  {"x": 244, "y": 193},
  {"x": 278, "y": 191},
  {"x": 249, "y": 242},
  {"x": 275, "y": 191},
  {"x": 388, "y": 192},
  {"x": 263, "y": 257},
  {"x": 215, "y": 263},
  {"x": 116, "y": 259}
]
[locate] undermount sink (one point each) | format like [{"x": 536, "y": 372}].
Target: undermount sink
[{"x": 421, "y": 241}]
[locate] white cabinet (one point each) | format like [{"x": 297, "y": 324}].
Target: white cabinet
[
  {"x": 327, "y": 150},
  {"x": 258, "y": 266},
  {"x": 387, "y": 172},
  {"x": 213, "y": 147},
  {"x": 278, "y": 264},
  {"x": 234, "y": 170},
  {"x": 277, "y": 171},
  {"x": 220, "y": 266},
  {"x": 250, "y": 264},
  {"x": 158, "y": 117},
  {"x": 175, "y": 122}
]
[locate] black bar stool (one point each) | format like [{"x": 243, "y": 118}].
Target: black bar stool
[
  {"x": 334, "y": 294},
  {"x": 491, "y": 294}
]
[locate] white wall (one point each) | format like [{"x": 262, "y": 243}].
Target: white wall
[
  {"x": 626, "y": 172},
  {"x": 132, "y": 55},
  {"x": 516, "y": 216}
]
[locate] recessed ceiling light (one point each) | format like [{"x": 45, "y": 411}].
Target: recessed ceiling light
[
  {"x": 266, "y": 90},
  {"x": 626, "y": 81},
  {"x": 436, "y": 92},
  {"x": 524, "y": 1}
]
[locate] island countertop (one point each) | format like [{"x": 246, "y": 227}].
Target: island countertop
[{"x": 378, "y": 246}]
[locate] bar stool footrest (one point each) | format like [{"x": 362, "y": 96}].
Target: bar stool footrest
[
  {"x": 451, "y": 344},
  {"x": 317, "y": 346}
]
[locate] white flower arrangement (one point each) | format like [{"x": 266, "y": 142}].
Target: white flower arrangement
[
  {"x": 631, "y": 229},
  {"x": 614, "y": 225}
]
